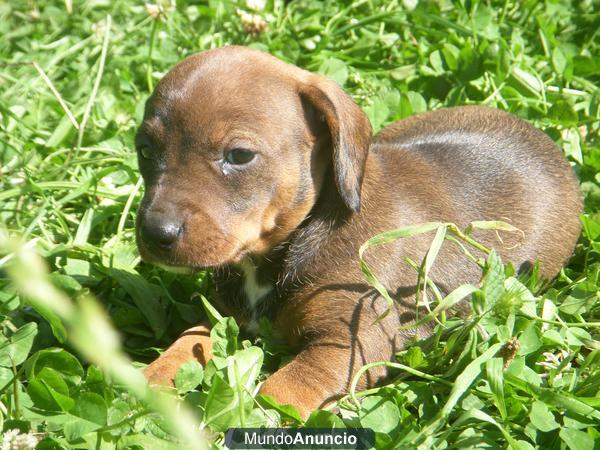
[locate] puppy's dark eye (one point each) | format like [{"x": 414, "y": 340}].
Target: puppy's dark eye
[
  {"x": 146, "y": 152},
  {"x": 239, "y": 156}
]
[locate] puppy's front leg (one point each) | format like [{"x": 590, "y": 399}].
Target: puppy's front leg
[
  {"x": 306, "y": 384},
  {"x": 193, "y": 344},
  {"x": 335, "y": 349}
]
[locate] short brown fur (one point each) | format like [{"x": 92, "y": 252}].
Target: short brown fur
[{"x": 318, "y": 188}]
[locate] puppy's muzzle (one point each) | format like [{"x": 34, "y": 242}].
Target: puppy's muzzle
[{"x": 160, "y": 232}]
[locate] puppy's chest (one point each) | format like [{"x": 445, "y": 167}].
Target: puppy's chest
[
  {"x": 248, "y": 294},
  {"x": 253, "y": 288}
]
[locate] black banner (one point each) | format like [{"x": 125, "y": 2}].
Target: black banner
[{"x": 300, "y": 438}]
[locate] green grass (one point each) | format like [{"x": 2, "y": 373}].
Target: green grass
[{"x": 73, "y": 81}]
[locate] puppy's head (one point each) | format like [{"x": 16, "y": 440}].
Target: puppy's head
[{"x": 233, "y": 149}]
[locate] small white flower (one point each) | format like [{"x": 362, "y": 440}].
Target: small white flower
[
  {"x": 253, "y": 23},
  {"x": 15, "y": 440},
  {"x": 35, "y": 13},
  {"x": 108, "y": 182},
  {"x": 99, "y": 28},
  {"x": 257, "y": 5},
  {"x": 160, "y": 9},
  {"x": 121, "y": 118},
  {"x": 553, "y": 360},
  {"x": 15, "y": 181},
  {"x": 152, "y": 10}
]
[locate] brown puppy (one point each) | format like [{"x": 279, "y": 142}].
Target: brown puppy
[{"x": 270, "y": 170}]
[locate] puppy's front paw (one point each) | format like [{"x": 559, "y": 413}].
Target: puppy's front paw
[
  {"x": 290, "y": 390},
  {"x": 193, "y": 344},
  {"x": 161, "y": 372},
  {"x": 286, "y": 397}
]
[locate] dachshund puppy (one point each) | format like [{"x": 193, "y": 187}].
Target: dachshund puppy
[{"x": 270, "y": 174}]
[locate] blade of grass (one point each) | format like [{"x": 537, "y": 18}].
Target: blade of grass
[
  {"x": 59, "y": 98},
  {"x": 96, "y": 86},
  {"x": 462, "y": 383}
]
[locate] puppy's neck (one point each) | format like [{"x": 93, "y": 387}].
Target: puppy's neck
[
  {"x": 254, "y": 287},
  {"x": 306, "y": 243},
  {"x": 247, "y": 291}
]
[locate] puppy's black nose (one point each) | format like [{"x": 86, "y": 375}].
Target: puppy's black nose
[{"x": 161, "y": 232}]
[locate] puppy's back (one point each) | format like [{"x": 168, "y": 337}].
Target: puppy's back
[{"x": 495, "y": 167}]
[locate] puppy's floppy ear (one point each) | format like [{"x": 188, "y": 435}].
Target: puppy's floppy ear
[{"x": 350, "y": 133}]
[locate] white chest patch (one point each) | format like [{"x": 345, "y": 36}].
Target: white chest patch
[{"x": 253, "y": 290}]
